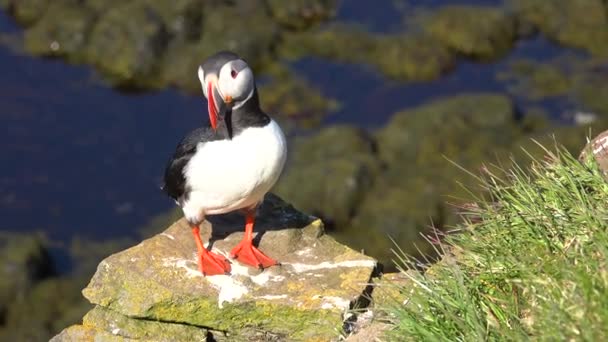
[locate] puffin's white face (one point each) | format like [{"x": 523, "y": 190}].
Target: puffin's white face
[
  {"x": 235, "y": 83},
  {"x": 231, "y": 87}
]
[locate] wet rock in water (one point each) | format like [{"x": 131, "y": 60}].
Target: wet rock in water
[
  {"x": 139, "y": 290},
  {"x": 66, "y": 37},
  {"x": 127, "y": 42},
  {"x": 301, "y": 14},
  {"x": 290, "y": 96},
  {"x": 410, "y": 194},
  {"x": 536, "y": 80},
  {"x": 26, "y": 12},
  {"x": 183, "y": 18},
  {"x": 399, "y": 56},
  {"x": 253, "y": 39},
  {"x": 574, "y": 23},
  {"x": 336, "y": 167},
  {"x": 23, "y": 261},
  {"x": 476, "y": 31},
  {"x": 464, "y": 127}
]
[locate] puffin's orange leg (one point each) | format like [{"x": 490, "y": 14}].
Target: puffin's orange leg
[
  {"x": 209, "y": 263},
  {"x": 246, "y": 253}
]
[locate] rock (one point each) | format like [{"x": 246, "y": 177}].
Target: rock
[
  {"x": 23, "y": 262},
  {"x": 140, "y": 289},
  {"x": 66, "y": 37},
  {"x": 183, "y": 18},
  {"x": 301, "y": 14},
  {"x": 575, "y": 23},
  {"x": 253, "y": 38},
  {"x": 338, "y": 166},
  {"x": 127, "y": 42},
  {"x": 291, "y": 96},
  {"x": 449, "y": 126},
  {"x": 475, "y": 31},
  {"x": 597, "y": 150},
  {"x": 109, "y": 325},
  {"x": 26, "y": 12},
  {"x": 408, "y": 56}
]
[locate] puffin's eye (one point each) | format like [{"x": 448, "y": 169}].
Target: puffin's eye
[{"x": 233, "y": 73}]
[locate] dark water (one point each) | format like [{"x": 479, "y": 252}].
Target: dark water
[{"x": 79, "y": 158}]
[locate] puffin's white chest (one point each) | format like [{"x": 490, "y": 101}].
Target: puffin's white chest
[{"x": 226, "y": 175}]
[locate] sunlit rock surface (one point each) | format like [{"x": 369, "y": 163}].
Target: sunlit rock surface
[{"x": 136, "y": 291}]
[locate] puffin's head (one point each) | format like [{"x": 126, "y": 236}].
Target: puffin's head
[{"x": 227, "y": 83}]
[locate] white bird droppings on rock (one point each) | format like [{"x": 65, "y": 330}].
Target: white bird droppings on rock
[
  {"x": 168, "y": 235},
  {"x": 299, "y": 268}
]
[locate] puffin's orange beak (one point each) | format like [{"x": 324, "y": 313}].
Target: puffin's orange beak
[{"x": 211, "y": 108}]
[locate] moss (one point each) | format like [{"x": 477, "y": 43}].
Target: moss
[
  {"x": 109, "y": 321},
  {"x": 239, "y": 319},
  {"x": 476, "y": 31}
]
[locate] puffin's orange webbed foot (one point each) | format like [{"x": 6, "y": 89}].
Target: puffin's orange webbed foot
[
  {"x": 246, "y": 253},
  {"x": 210, "y": 264}
]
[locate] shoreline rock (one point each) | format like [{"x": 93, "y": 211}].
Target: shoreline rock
[{"x": 156, "y": 285}]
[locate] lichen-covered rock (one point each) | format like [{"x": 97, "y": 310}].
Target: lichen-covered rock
[
  {"x": 104, "y": 323},
  {"x": 66, "y": 37},
  {"x": 127, "y": 42},
  {"x": 304, "y": 298},
  {"x": 80, "y": 333},
  {"x": 477, "y": 31}
]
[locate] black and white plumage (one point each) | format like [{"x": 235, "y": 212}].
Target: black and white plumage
[{"x": 233, "y": 163}]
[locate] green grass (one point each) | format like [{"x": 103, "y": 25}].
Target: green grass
[{"x": 528, "y": 264}]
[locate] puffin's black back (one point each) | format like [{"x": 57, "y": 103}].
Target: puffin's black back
[{"x": 174, "y": 180}]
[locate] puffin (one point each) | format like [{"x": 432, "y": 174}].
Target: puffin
[{"x": 229, "y": 164}]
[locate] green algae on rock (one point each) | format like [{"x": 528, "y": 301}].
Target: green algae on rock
[
  {"x": 158, "y": 281},
  {"x": 476, "y": 31}
]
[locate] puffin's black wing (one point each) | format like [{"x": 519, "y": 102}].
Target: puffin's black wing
[{"x": 175, "y": 181}]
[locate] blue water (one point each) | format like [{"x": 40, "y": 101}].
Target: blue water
[{"x": 79, "y": 158}]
